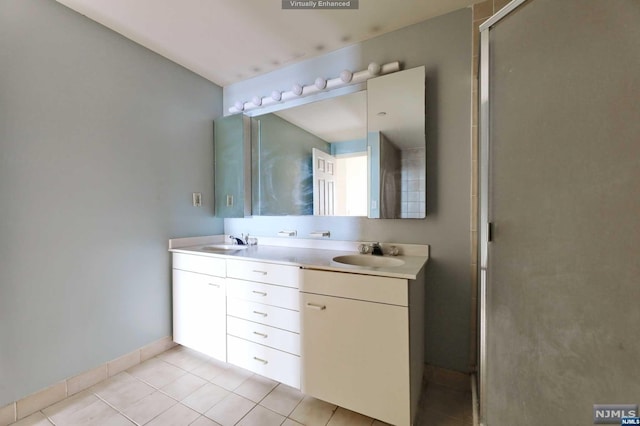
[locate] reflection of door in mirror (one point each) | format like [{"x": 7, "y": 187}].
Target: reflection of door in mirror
[
  {"x": 339, "y": 184},
  {"x": 324, "y": 181}
]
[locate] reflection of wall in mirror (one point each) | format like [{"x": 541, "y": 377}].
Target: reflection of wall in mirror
[
  {"x": 282, "y": 170},
  {"x": 351, "y": 189},
  {"x": 384, "y": 177},
  {"x": 389, "y": 179},
  {"x": 413, "y": 200}
]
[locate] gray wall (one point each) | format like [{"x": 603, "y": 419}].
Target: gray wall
[
  {"x": 563, "y": 290},
  {"x": 443, "y": 45},
  {"x": 101, "y": 144}
]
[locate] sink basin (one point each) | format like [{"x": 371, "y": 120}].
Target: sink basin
[
  {"x": 368, "y": 260},
  {"x": 224, "y": 247}
]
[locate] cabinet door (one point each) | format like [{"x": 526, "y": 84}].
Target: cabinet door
[
  {"x": 199, "y": 313},
  {"x": 356, "y": 354},
  {"x": 232, "y": 173}
]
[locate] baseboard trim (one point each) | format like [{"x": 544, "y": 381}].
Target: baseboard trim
[
  {"x": 28, "y": 405},
  {"x": 474, "y": 400}
]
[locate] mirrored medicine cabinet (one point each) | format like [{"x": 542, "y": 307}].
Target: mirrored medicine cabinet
[{"x": 356, "y": 154}]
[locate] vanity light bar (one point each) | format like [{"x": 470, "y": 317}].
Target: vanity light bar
[{"x": 320, "y": 85}]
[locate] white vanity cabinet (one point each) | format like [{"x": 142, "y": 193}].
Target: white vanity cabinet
[
  {"x": 263, "y": 319},
  {"x": 362, "y": 345},
  {"x": 199, "y": 304}
]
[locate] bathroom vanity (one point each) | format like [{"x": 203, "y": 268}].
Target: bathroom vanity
[{"x": 349, "y": 335}]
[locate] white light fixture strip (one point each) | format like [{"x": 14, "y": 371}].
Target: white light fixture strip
[{"x": 320, "y": 84}]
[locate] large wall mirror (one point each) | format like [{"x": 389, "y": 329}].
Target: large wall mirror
[{"x": 357, "y": 154}]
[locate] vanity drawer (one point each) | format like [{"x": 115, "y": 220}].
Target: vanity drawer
[
  {"x": 268, "y": 362},
  {"x": 285, "y": 319},
  {"x": 285, "y": 275},
  {"x": 201, "y": 264},
  {"x": 268, "y": 294},
  {"x": 263, "y": 334},
  {"x": 393, "y": 291}
]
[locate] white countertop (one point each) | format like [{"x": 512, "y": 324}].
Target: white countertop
[{"x": 309, "y": 258}]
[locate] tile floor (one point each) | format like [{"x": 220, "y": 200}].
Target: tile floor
[{"x": 182, "y": 387}]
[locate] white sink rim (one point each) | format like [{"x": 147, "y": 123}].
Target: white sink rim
[
  {"x": 223, "y": 247},
  {"x": 369, "y": 260}
]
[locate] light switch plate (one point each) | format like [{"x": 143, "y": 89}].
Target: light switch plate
[{"x": 197, "y": 199}]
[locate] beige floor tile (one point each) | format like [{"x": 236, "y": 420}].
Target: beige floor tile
[
  {"x": 283, "y": 399},
  {"x": 184, "y": 386},
  {"x": 230, "y": 410},
  {"x": 260, "y": 416},
  {"x": 97, "y": 413},
  {"x": 344, "y": 417},
  {"x": 70, "y": 408},
  {"x": 232, "y": 378},
  {"x": 312, "y": 412},
  {"x": 122, "y": 390},
  {"x": 290, "y": 422},
  {"x": 210, "y": 370},
  {"x": 256, "y": 387},
  {"x": 451, "y": 379},
  {"x": 178, "y": 415},
  {"x": 84, "y": 409},
  {"x": 35, "y": 419},
  {"x": 205, "y": 397},
  {"x": 434, "y": 418},
  {"x": 184, "y": 358},
  {"x": 204, "y": 421},
  {"x": 156, "y": 372},
  {"x": 447, "y": 401},
  {"x": 115, "y": 420},
  {"x": 149, "y": 407},
  {"x": 379, "y": 423}
]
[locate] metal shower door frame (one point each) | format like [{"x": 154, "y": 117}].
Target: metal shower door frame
[{"x": 484, "y": 214}]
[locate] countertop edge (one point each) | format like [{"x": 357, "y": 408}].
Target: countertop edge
[{"x": 322, "y": 260}]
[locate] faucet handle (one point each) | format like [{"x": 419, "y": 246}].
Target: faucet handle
[{"x": 364, "y": 248}]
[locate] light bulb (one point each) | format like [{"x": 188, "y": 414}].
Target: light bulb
[
  {"x": 374, "y": 68},
  {"x": 346, "y": 76}
]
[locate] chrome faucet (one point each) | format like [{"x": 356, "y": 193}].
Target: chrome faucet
[
  {"x": 376, "y": 249},
  {"x": 237, "y": 240}
]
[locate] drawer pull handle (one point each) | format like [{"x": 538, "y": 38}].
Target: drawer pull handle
[
  {"x": 261, "y": 293},
  {"x": 260, "y": 272},
  {"x": 264, "y": 361},
  {"x": 318, "y": 307},
  {"x": 214, "y": 285},
  {"x": 261, "y": 334},
  {"x": 264, "y": 314}
]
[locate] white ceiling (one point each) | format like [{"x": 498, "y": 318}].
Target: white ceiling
[{"x": 226, "y": 41}]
